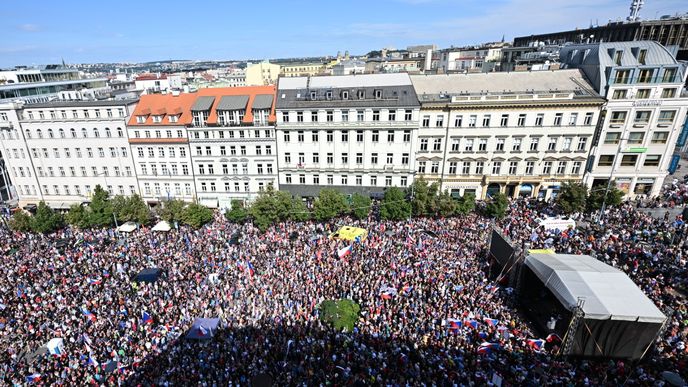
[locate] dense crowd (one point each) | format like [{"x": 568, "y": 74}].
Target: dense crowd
[{"x": 427, "y": 308}]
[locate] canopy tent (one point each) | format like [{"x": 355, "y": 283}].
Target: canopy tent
[
  {"x": 162, "y": 226},
  {"x": 203, "y": 328},
  {"x": 127, "y": 227},
  {"x": 348, "y": 233},
  {"x": 617, "y": 320},
  {"x": 149, "y": 275}
]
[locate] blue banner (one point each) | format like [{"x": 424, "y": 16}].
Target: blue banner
[
  {"x": 674, "y": 164},
  {"x": 683, "y": 137}
]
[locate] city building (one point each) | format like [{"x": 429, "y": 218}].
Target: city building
[
  {"x": 35, "y": 85},
  {"x": 301, "y": 69},
  {"x": 261, "y": 74},
  {"x": 667, "y": 31},
  {"x": 645, "y": 111},
  {"x": 537, "y": 56},
  {"x": 349, "y": 67},
  {"x": 355, "y": 133},
  {"x": 59, "y": 151},
  {"x": 470, "y": 59},
  {"x": 521, "y": 133},
  {"x": 212, "y": 146},
  {"x": 394, "y": 65},
  {"x": 157, "y": 83}
]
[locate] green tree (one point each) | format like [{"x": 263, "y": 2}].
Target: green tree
[
  {"x": 264, "y": 210},
  {"x": 130, "y": 209},
  {"x": 46, "y": 220},
  {"x": 100, "y": 214},
  {"x": 445, "y": 204},
  {"x": 596, "y": 197},
  {"x": 394, "y": 205},
  {"x": 360, "y": 205},
  {"x": 465, "y": 204},
  {"x": 196, "y": 215},
  {"x": 238, "y": 213},
  {"x": 341, "y": 314},
  {"x": 172, "y": 210},
  {"x": 20, "y": 221},
  {"x": 283, "y": 205},
  {"x": 299, "y": 211},
  {"x": 496, "y": 207},
  {"x": 78, "y": 216},
  {"x": 329, "y": 204},
  {"x": 572, "y": 197}
]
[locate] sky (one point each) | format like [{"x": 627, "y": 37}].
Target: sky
[{"x": 40, "y": 32}]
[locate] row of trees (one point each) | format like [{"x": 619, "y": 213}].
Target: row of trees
[
  {"x": 575, "y": 197},
  {"x": 104, "y": 211}
]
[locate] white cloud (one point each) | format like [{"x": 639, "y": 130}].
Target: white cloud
[{"x": 28, "y": 27}]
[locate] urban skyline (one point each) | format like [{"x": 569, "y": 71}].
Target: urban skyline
[{"x": 295, "y": 30}]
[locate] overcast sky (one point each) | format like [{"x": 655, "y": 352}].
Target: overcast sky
[{"x": 40, "y": 32}]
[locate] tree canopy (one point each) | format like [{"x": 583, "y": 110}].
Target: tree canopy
[{"x": 394, "y": 205}]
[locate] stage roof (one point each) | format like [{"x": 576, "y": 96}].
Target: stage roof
[{"x": 608, "y": 292}]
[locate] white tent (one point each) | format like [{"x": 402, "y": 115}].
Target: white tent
[
  {"x": 162, "y": 226},
  {"x": 55, "y": 346},
  {"x": 609, "y": 294},
  {"x": 127, "y": 227}
]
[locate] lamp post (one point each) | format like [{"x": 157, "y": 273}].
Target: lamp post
[
  {"x": 114, "y": 216},
  {"x": 609, "y": 181}
]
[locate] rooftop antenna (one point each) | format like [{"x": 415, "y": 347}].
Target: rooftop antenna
[{"x": 636, "y": 5}]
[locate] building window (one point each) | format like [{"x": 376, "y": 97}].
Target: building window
[
  {"x": 619, "y": 94},
  {"x": 421, "y": 166},
  {"x": 629, "y": 160},
  {"x": 302, "y": 179},
  {"x": 360, "y": 115},
  {"x": 329, "y": 115},
  {"x": 404, "y": 159},
  {"x": 669, "y": 93},
  {"x": 605, "y": 161},
  {"x": 376, "y": 136},
  {"x": 636, "y": 138},
  {"x": 439, "y": 121},
  {"x": 530, "y": 166},
  {"x": 316, "y": 179},
  {"x": 330, "y": 179},
  {"x": 513, "y": 167},
  {"x": 496, "y": 167},
  {"x": 561, "y": 167},
  {"x": 330, "y": 136},
  {"x": 314, "y": 116},
  {"x": 547, "y": 168},
  {"x": 482, "y": 145},
  {"x": 392, "y": 115},
  {"x": 345, "y": 179},
  {"x": 437, "y": 145},
  {"x": 426, "y": 121},
  {"x": 617, "y": 118},
  {"x": 376, "y": 115},
  {"x": 500, "y": 145},
  {"x": 388, "y": 181},
  {"x": 472, "y": 121},
  {"x": 345, "y": 136},
  {"x": 552, "y": 145},
  {"x": 469, "y": 145},
  {"x": 576, "y": 168},
  {"x": 652, "y": 160},
  {"x": 588, "y": 118},
  {"x": 642, "y": 117},
  {"x": 521, "y": 120},
  {"x": 423, "y": 144},
  {"x": 345, "y": 116},
  {"x": 660, "y": 137},
  {"x": 345, "y": 158},
  {"x": 314, "y": 136},
  {"x": 330, "y": 158},
  {"x": 408, "y": 115},
  {"x": 582, "y": 143},
  {"x": 300, "y": 136},
  {"x": 566, "y": 146},
  {"x": 666, "y": 117}
]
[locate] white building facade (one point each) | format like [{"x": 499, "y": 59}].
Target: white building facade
[
  {"x": 63, "y": 149},
  {"x": 644, "y": 115},
  {"x": 475, "y": 137},
  {"x": 354, "y": 133}
]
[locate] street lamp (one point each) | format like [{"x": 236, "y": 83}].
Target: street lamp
[{"x": 609, "y": 181}]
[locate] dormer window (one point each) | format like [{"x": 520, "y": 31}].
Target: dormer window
[
  {"x": 345, "y": 94},
  {"x": 157, "y": 118},
  {"x": 361, "y": 94},
  {"x": 328, "y": 95},
  {"x": 618, "y": 55},
  {"x": 378, "y": 94},
  {"x": 313, "y": 95},
  {"x": 140, "y": 119},
  {"x": 173, "y": 118},
  {"x": 642, "y": 56}
]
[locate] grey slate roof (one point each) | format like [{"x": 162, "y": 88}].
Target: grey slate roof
[
  {"x": 203, "y": 103},
  {"x": 263, "y": 101},
  {"x": 232, "y": 102},
  {"x": 296, "y": 93}
]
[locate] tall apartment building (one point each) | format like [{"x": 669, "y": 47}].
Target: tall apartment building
[
  {"x": 355, "y": 133},
  {"x": 643, "y": 84},
  {"x": 523, "y": 134},
  {"x": 261, "y": 74},
  {"x": 212, "y": 146},
  {"x": 59, "y": 151}
]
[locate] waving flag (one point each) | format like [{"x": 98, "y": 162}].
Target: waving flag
[
  {"x": 251, "y": 271},
  {"x": 454, "y": 323},
  {"x": 491, "y": 321},
  {"x": 92, "y": 361},
  {"x": 94, "y": 281},
  {"x": 34, "y": 378},
  {"x": 553, "y": 338},
  {"x": 536, "y": 344},
  {"x": 344, "y": 251},
  {"x": 458, "y": 288},
  {"x": 88, "y": 314},
  {"x": 146, "y": 318},
  {"x": 487, "y": 348},
  {"x": 407, "y": 289},
  {"x": 472, "y": 323},
  {"x": 106, "y": 273},
  {"x": 387, "y": 292},
  {"x": 202, "y": 331}
]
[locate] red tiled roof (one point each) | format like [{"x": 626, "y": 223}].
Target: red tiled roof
[
  {"x": 150, "y": 77},
  {"x": 182, "y": 103}
]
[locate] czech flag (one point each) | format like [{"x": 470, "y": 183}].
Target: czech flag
[
  {"x": 88, "y": 314},
  {"x": 472, "y": 323},
  {"x": 454, "y": 323},
  {"x": 536, "y": 344},
  {"x": 407, "y": 289},
  {"x": 553, "y": 338},
  {"x": 92, "y": 361},
  {"x": 146, "y": 318},
  {"x": 251, "y": 271},
  {"x": 202, "y": 331},
  {"x": 487, "y": 348},
  {"x": 94, "y": 281},
  {"x": 33, "y": 378},
  {"x": 106, "y": 273},
  {"x": 491, "y": 321},
  {"x": 344, "y": 251}
]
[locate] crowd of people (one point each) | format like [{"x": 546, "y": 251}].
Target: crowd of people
[{"x": 428, "y": 313}]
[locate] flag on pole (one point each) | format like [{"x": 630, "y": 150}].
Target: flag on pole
[
  {"x": 94, "y": 281},
  {"x": 88, "y": 314},
  {"x": 491, "y": 321},
  {"x": 251, "y": 271},
  {"x": 202, "y": 330},
  {"x": 34, "y": 378},
  {"x": 553, "y": 338},
  {"x": 536, "y": 344},
  {"x": 454, "y": 323},
  {"x": 487, "y": 348},
  {"x": 146, "y": 318}
]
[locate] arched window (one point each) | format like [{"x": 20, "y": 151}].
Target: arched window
[
  {"x": 39, "y": 133},
  {"x": 62, "y": 133},
  {"x": 95, "y": 132},
  {"x": 72, "y": 131},
  {"x": 28, "y": 133},
  {"x": 108, "y": 133},
  {"x": 84, "y": 132},
  {"x": 51, "y": 134},
  {"x": 120, "y": 133}
]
